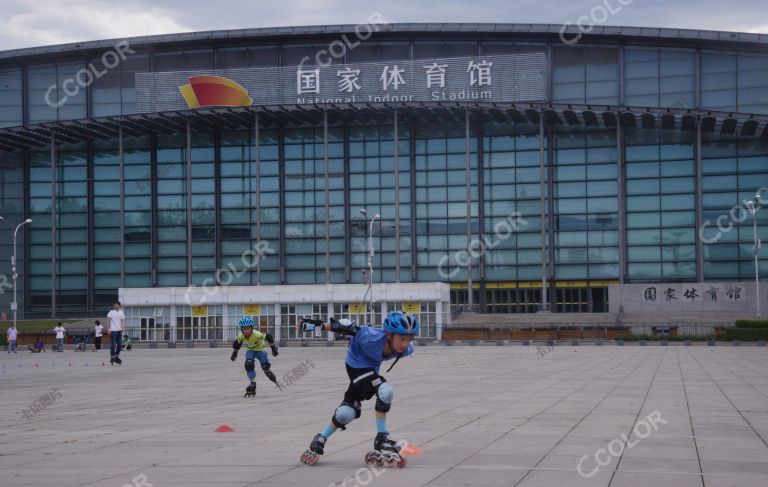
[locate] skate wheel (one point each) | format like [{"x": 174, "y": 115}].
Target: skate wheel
[
  {"x": 403, "y": 461},
  {"x": 372, "y": 458},
  {"x": 392, "y": 461},
  {"x": 309, "y": 458}
]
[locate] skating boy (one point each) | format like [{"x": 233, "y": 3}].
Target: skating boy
[
  {"x": 254, "y": 342},
  {"x": 368, "y": 348}
]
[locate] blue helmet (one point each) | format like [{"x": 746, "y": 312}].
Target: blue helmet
[
  {"x": 400, "y": 323},
  {"x": 246, "y": 321}
]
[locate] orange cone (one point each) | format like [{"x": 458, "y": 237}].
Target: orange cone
[
  {"x": 224, "y": 429},
  {"x": 411, "y": 450}
]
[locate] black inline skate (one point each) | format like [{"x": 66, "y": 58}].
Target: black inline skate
[
  {"x": 316, "y": 448},
  {"x": 385, "y": 452}
]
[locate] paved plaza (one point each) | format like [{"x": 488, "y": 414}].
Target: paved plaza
[{"x": 482, "y": 416}]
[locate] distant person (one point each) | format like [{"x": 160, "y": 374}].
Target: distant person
[
  {"x": 127, "y": 342},
  {"x": 60, "y": 331},
  {"x": 98, "y": 332},
  {"x": 38, "y": 346},
  {"x": 116, "y": 321},
  {"x": 81, "y": 343},
  {"x": 12, "y": 334}
]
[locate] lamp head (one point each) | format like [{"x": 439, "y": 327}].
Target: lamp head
[
  {"x": 28, "y": 220},
  {"x": 363, "y": 212}
]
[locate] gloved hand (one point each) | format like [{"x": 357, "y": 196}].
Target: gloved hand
[
  {"x": 309, "y": 324},
  {"x": 234, "y": 356},
  {"x": 274, "y": 350}
]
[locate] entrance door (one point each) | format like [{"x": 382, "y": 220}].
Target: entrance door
[{"x": 199, "y": 328}]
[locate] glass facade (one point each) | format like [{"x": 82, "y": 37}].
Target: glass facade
[
  {"x": 12, "y": 204},
  {"x": 661, "y": 201},
  {"x": 380, "y": 187},
  {"x": 732, "y": 171},
  {"x": 11, "y": 100},
  {"x": 586, "y": 219},
  {"x": 191, "y": 208}
]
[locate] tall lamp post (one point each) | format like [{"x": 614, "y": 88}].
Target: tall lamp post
[
  {"x": 15, "y": 275},
  {"x": 369, "y": 292},
  {"x": 754, "y": 206}
]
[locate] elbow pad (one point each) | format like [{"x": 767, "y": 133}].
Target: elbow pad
[{"x": 344, "y": 327}]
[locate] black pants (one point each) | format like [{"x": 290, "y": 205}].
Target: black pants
[
  {"x": 362, "y": 388},
  {"x": 98, "y": 343}
]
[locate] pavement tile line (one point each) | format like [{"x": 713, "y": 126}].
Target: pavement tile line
[
  {"x": 746, "y": 420},
  {"x": 760, "y": 370},
  {"x": 529, "y": 419},
  {"x": 514, "y": 468},
  {"x": 585, "y": 358},
  {"x": 228, "y": 402},
  {"x": 607, "y": 395},
  {"x": 728, "y": 391},
  {"x": 690, "y": 417},
  {"x": 440, "y": 413}
]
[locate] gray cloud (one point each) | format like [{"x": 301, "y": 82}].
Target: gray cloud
[{"x": 50, "y": 22}]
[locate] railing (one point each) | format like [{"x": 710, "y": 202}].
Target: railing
[
  {"x": 566, "y": 331},
  {"x": 227, "y": 333},
  {"x": 458, "y": 309}
]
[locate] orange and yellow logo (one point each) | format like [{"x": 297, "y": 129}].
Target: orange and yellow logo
[{"x": 214, "y": 91}]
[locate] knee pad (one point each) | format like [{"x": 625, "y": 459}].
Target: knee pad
[
  {"x": 266, "y": 366},
  {"x": 249, "y": 365},
  {"x": 384, "y": 397},
  {"x": 345, "y": 414}
]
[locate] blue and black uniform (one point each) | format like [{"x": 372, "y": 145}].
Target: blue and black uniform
[
  {"x": 364, "y": 358},
  {"x": 363, "y": 362}
]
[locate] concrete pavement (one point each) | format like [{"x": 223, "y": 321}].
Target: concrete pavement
[{"x": 483, "y": 416}]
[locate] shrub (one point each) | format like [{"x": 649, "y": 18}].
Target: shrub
[
  {"x": 751, "y": 323},
  {"x": 746, "y": 334}
]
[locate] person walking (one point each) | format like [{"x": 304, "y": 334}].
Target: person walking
[
  {"x": 116, "y": 322},
  {"x": 98, "y": 332},
  {"x": 60, "y": 331},
  {"x": 12, "y": 335}
]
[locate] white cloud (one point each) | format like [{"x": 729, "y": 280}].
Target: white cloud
[{"x": 47, "y": 22}]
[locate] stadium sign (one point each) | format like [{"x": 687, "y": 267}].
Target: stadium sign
[{"x": 499, "y": 78}]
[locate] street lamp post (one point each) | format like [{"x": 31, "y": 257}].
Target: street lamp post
[
  {"x": 369, "y": 292},
  {"x": 754, "y": 206},
  {"x": 15, "y": 275}
]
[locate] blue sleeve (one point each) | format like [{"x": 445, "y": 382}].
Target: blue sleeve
[
  {"x": 362, "y": 346},
  {"x": 362, "y": 334},
  {"x": 361, "y": 338}
]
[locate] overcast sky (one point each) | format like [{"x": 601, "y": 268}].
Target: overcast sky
[{"x": 46, "y": 22}]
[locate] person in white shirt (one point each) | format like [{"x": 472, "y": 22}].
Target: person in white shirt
[
  {"x": 12, "y": 335},
  {"x": 59, "y": 330},
  {"x": 116, "y": 323},
  {"x": 97, "y": 334}
]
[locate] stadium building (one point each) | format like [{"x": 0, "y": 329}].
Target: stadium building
[{"x": 205, "y": 175}]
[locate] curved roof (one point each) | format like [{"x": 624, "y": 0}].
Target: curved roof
[
  {"x": 545, "y": 31},
  {"x": 243, "y": 118}
]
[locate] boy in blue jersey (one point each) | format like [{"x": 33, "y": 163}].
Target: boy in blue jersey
[{"x": 368, "y": 348}]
